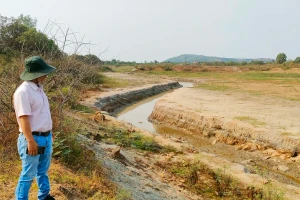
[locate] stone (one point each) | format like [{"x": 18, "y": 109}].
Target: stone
[
  {"x": 116, "y": 152},
  {"x": 99, "y": 117},
  {"x": 282, "y": 168}
]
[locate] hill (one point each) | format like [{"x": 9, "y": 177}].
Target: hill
[{"x": 201, "y": 58}]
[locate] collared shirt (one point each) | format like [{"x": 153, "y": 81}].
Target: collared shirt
[{"x": 29, "y": 99}]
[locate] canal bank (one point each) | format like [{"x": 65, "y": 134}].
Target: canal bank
[{"x": 115, "y": 103}]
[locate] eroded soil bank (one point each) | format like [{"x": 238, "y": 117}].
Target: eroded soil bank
[{"x": 266, "y": 130}]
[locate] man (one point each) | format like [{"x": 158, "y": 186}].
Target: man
[{"x": 35, "y": 124}]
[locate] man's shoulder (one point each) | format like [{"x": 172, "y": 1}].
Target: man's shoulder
[{"x": 24, "y": 87}]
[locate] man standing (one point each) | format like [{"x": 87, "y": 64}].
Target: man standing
[{"x": 35, "y": 125}]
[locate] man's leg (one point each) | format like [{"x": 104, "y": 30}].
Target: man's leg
[
  {"x": 43, "y": 167},
  {"x": 29, "y": 169}
]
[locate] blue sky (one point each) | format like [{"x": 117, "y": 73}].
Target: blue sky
[{"x": 147, "y": 30}]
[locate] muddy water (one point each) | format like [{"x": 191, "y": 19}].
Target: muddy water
[{"x": 138, "y": 113}]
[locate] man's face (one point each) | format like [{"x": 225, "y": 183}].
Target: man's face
[{"x": 41, "y": 79}]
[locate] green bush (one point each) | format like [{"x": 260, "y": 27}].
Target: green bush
[
  {"x": 297, "y": 60},
  {"x": 281, "y": 58}
]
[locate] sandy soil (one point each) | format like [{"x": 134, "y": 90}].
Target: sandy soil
[{"x": 268, "y": 114}]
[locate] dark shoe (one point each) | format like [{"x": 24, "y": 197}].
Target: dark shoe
[{"x": 49, "y": 197}]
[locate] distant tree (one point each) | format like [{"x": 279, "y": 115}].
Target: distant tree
[
  {"x": 297, "y": 60},
  {"x": 155, "y": 61},
  {"x": 281, "y": 58},
  {"x": 92, "y": 59},
  {"x": 26, "y": 20},
  {"x": 243, "y": 63},
  {"x": 257, "y": 62},
  {"x": 113, "y": 61}
]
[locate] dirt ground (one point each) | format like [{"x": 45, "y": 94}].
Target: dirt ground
[{"x": 270, "y": 108}]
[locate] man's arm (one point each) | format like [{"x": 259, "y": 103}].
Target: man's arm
[{"x": 26, "y": 128}]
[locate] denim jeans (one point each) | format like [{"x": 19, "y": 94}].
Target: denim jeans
[{"x": 34, "y": 166}]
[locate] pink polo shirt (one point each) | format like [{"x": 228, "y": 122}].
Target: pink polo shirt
[{"x": 29, "y": 99}]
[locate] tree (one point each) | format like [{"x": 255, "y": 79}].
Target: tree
[
  {"x": 92, "y": 59},
  {"x": 12, "y": 28},
  {"x": 281, "y": 58},
  {"x": 35, "y": 41},
  {"x": 297, "y": 60},
  {"x": 26, "y": 20}
]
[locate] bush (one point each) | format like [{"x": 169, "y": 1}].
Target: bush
[
  {"x": 281, "y": 58},
  {"x": 297, "y": 60}
]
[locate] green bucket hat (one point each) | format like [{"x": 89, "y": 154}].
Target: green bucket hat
[{"x": 35, "y": 67}]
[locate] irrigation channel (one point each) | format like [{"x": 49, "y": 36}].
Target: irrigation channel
[{"x": 138, "y": 113}]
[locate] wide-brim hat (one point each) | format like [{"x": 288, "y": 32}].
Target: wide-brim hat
[{"x": 35, "y": 67}]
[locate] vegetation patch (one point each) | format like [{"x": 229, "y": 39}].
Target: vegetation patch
[
  {"x": 214, "y": 184},
  {"x": 250, "y": 120},
  {"x": 129, "y": 139},
  {"x": 213, "y": 87},
  {"x": 268, "y": 76},
  {"x": 114, "y": 83}
]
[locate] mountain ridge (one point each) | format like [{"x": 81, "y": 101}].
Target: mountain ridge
[{"x": 202, "y": 58}]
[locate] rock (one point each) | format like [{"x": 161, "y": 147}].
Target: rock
[
  {"x": 218, "y": 127},
  {"x": 276, "y": 153},
  {"x": 99, "y": 117},
  {"x": 247, "y": 147},
  {"x": 294, "y": 152},
  {"x": 283, "y": 156},
  {"x": 282, "y": 168},
  {"x": 267, "y": 157},
  {"x": 269, "y": 151},
  {"x": 116, "y": 152},
  {"x": 214, "y": 142},
  {"x": 248, "y": 162},
  {"x": 104, "y": 112},
  {"x": 240, "y": 147}
]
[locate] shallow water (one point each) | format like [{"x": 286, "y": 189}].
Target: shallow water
[{"x": 138, "y": 113}]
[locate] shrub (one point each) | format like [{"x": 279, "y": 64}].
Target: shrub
[{"x": 281, "y": 58}]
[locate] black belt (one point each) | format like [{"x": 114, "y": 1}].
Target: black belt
[{"x": 41, "y": 133}]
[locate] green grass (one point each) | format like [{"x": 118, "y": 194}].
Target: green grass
[
  {"x": 244, "y": 76},
  {"x": 213, "y": 87},
  {"x": 189, "y": 74},
  {"x": 286, "y": 133},
  {"x": 268, "y": 76},
  {"x": 122, "y": 68},
  {"x": 250, "y": 120},
  {"x": 124, "y": 138},
  {"x": 82, "y": 108},
  {"x": 114, "y": 83}
]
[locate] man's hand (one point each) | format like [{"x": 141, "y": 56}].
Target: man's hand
[
  {"x": 32, "y": 148},
  {"x": 26, "y": 129}
]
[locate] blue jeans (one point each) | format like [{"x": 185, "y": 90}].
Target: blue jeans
[{"x": 34, "y": 166}]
